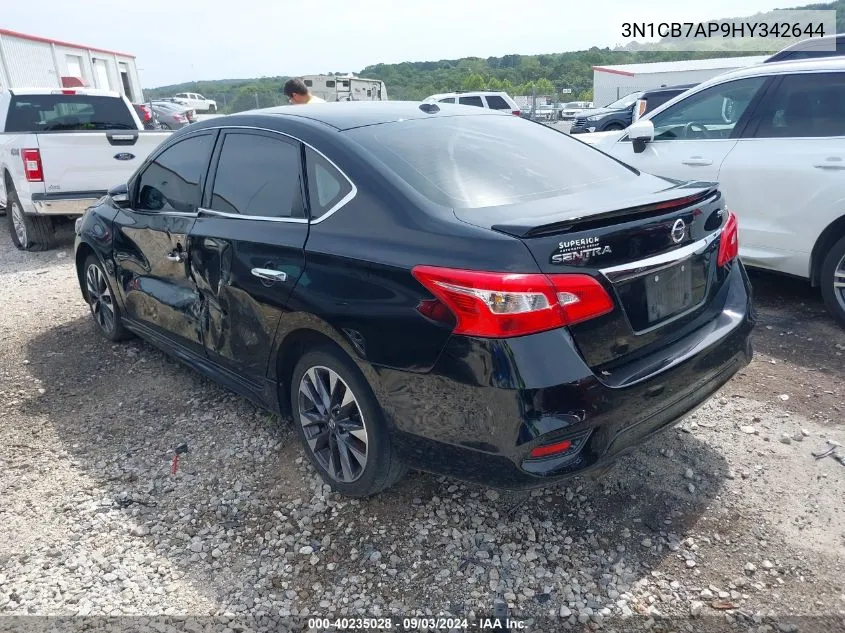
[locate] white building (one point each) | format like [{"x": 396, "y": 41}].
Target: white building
[
  {"x": 38, "y": 62},
  {"x": 613, "y": 82}
]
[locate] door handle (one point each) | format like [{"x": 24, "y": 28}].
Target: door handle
[
  {"x": 697, "y": 161},
  {"x": 269, "y": 274},
  {"x": 176, "y": 256}
]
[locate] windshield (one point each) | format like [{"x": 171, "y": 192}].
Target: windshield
[
  {"x": 625, "y": 102},
  {"x": 62, "y": 113},
  {"x": 469, "y": 162}
]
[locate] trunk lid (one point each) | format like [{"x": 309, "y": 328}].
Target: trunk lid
[{"x": 654, "y": 251}]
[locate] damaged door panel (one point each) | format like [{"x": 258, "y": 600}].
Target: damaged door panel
[
  {"x": 247, "y": 247},
  {"x": 151, "y": 242}
]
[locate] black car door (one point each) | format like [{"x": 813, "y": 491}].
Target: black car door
[
  {"x": 150, "y": 242},
  {"x": 247, "y": 246}
]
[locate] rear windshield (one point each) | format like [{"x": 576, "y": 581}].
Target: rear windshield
[
  {"x": 60, "y": 113},
  {"x": 468, "y": 162}
]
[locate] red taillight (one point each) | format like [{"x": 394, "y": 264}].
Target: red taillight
[
  {"x": 32, "y": 165},
  {"x": 68, "y": 92},
  {"x": 148, "y": 114},
  {"x": 551, "y": 449},
  {"x": 495, "y": 304},
  {"x": 516, "y": 113},
  {"x": 729, "y": 242}
]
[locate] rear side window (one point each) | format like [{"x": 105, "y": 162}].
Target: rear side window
[
  {"x": 487, "y": 160},
  {"x": 448, "y": 100},
  {"x": 804, "y": 105},
  {"x": 172, "y": 182},
  {"x": 471, "y": 101},
  {"x": 68, "y": 113},
  {"x": 497, "y": 103},
  {"x": 258, "y": 175},
  {"x": 327, "y": 187}
]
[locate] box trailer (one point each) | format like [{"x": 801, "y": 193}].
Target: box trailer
[{"x": 346, "y": 88}]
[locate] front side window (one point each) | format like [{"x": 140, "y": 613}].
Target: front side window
[
  {"x": 804, "y": 105},
  {"x": 173, "y": 181},
  {"x": 472, "y": 101},
  {"x": 448, "y": 100},
  {"x": 258, "y": 175},
  {"x": 710, "y": 114},
  {"x": 327, "y": 187}
]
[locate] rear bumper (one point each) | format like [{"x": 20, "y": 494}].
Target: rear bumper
[
  {"x": 73, "y": 203},
  {"x": 487, "y": 404}
]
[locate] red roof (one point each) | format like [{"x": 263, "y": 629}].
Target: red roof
[
  {"x": 46, "y": 40},
  {"x": 613, "y": 71}
]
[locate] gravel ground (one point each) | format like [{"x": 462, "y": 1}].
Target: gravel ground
[{"x": 728, "y": 520}]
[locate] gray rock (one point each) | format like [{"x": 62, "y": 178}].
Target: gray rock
[{"x": 306, "y": 550}]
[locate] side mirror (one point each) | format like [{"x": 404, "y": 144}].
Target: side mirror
[
  {"x": 640, "y": 133},
  {"x": 120, "y": 195}
]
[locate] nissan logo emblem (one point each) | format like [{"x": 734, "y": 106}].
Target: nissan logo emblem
[{"x": 679, "y": 230}]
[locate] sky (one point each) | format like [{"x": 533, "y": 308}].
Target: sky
[{"x": 219, "y": 39}]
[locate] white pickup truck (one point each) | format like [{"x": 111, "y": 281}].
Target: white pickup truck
[{"x": 60, "y": 151}]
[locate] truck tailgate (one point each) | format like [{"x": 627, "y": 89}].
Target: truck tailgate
[{"x": 76, "y": 162}]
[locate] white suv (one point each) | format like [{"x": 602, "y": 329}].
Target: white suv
[
  {"x": 482, "y": 99},
  {"x": 773, "y": 136}
]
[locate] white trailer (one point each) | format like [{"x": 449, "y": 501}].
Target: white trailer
[
  {"x": 614, "y": 82},
  {"x": 346, "y": 88},
  {"x": 31, "y": 61}
]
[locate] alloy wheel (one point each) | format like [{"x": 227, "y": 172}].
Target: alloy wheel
[
  {"x": 19, "y": 224},
  {"x": 839, "y": 282},
  {"x": 333, "y": 424},
  {"x": 100, "y": 298}
]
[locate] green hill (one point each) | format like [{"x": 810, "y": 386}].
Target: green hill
[{"x": 513, "y": 73}]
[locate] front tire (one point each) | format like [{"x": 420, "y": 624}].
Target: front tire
[
  {"x": 101, "y": 300},
  {"x": 833, "y": 281},
  {"x": 29, "y": 232},
  {"x": 212, "y": 109},
  {"x": 341, "y": 425},
  {"x": 613, "y": 127}
]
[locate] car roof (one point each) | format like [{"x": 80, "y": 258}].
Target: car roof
[
  {"x": 345, "y": 115},
  {"x": 669, "y": 88},
  {"x": 811, "y": 43},
  {"x": 469, "y": 93}
]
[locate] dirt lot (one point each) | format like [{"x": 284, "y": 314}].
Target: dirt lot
[{"x": 727, "y": 521}]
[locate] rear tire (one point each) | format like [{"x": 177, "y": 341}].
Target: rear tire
[
  {"x": 832, "y": 273},
  {"x": 101, "y": 300},
  {"x": 341, "y": 424},
  {"x": 613, "y": 127},
  {"x": 29, "y": 232}
]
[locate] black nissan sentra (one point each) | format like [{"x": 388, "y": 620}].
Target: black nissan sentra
[{"x": 437, "y": 287}]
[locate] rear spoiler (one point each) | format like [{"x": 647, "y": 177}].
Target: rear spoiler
[{"x": 602, "y": 219}]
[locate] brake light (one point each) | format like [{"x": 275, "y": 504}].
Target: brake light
[
  {"x": 32, "y": 165},
  {"x": 496, "y": 304},
  {"x": 729, "y": 242},
  {"x": 516, "y": 113},
  {"x": 551, "y": 449},
  {"x": 148, "y": 114}
]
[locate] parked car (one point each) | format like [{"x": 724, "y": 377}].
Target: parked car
[
  {"x": 511, "y": 332},
  {"x": 614, "y": 116},
  {"x": 171, "y": 116},
  {"x": 652, "y": 99},
  {"x": 571, "y": 110},
  {"x": 483, "y": 99},
  {"x": 189, "y": 113},
  {"x": 810, "y": 48},
  {"x": 145, "y": 114},
  {"x": 773, "y": 136},
  {"x": 196, "y": 102},
  {"x": 60, "y": 151}
]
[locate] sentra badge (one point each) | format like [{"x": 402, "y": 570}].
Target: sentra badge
[{"x": 579, "y": 251}]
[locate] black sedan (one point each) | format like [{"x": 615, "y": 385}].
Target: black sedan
[{"x": 437, "y": 287}]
